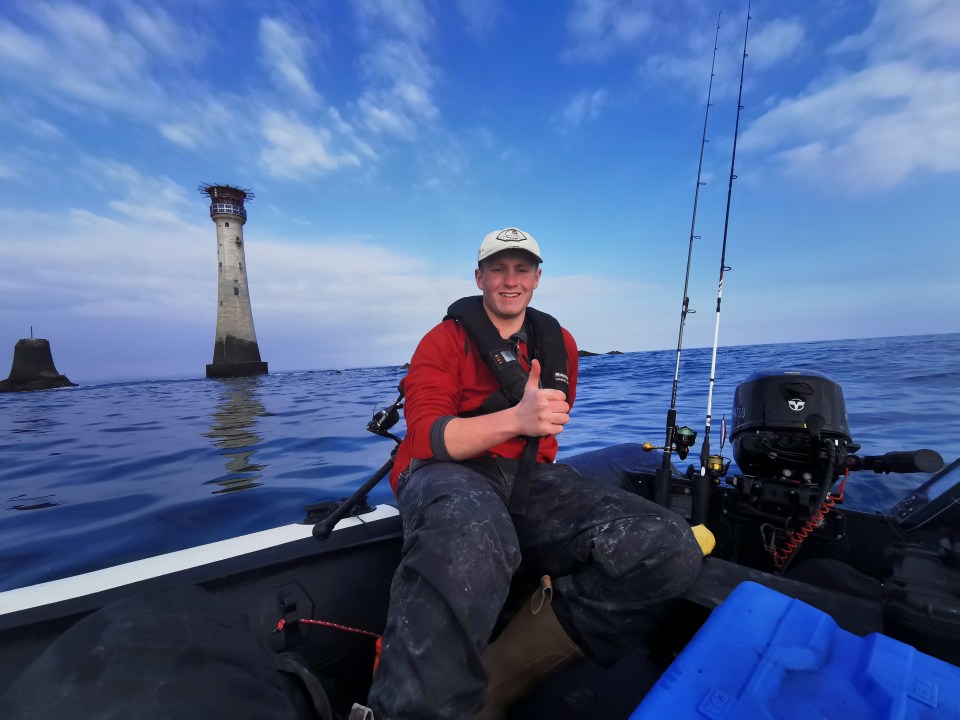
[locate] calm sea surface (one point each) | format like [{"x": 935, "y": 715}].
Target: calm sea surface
[{"x": 102, "y": 474}]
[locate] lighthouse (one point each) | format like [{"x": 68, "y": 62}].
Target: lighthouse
[{"x": 235, "y": 350}]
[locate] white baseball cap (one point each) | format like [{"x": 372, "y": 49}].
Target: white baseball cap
[{"x": 508, "y": 239}]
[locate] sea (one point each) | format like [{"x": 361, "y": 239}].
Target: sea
[{"x": 108, "y": 473}]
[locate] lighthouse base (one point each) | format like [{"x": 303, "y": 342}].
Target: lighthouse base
[{"x": 236, "y": 369}]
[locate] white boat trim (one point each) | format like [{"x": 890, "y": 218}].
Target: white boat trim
[{"x": 99, "y": 580}]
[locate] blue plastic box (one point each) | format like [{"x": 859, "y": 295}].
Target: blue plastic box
[{"x": 762, "y": 654}]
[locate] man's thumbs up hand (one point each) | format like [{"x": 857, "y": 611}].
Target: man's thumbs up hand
[{"x": 541, "y": 411}]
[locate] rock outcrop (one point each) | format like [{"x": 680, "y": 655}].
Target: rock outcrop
[{"x": 33, "y": 368}]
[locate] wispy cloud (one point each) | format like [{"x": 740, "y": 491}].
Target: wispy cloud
[
  {"x": 908, "y": 29},
  {"x": 295, "y": 149},
  {"x": 73, "y": 52},
  {"x": 24, "y": 114},
  {"x": 408, "y": 19},
  {"x": 775, "y": 41},
  {"x": 682, "y": 55},
  {"x": 104, "y": 265},
  {"x": 106, "y": 64},
  {"x": 583, "y": 107},
  {"x": 480, "y": 15},
  {"x": 892, "y": 115},
  {"x": 869, "y": 130},
  {"x": 146, "y": 70},
  {"x": 19, "y": 49},
  {"x": 446, "y": 162},
  {"x": 285, "y": 52},
  {"x": 161, "y": 35},
  {"x": 600, "y": 28},
  {"x": 156, "y": 199},
  {"x": 399, "y": 76}
]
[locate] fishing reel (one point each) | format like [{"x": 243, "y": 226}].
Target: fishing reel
[
  {"x": 385, "y": 419},
  {"x": 325, "y": 515},
  {"x": 715, "y": 467},
  {"x": 684, "y": 438}
]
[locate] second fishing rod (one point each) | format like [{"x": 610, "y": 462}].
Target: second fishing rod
[
  {"x": 679, "y": 439},
  {"x": 712, "y": 467}
]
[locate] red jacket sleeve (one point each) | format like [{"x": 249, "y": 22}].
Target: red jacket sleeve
[{"x": 432, "y": 386}]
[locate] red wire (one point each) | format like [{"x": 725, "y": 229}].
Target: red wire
[{"x": 780, "y": 555}]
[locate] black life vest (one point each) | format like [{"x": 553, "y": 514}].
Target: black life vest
[{"x": 544, "y": 343}]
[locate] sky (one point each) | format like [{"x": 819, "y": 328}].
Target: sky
[{"x": 384, "y": 138}]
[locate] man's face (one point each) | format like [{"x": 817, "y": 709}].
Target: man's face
[{"x": 507, "y": 281}]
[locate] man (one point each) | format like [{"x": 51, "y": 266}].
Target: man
[{"x": 488, "y": 391}]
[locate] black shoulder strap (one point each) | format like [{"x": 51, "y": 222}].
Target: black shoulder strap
[
  {"x": 545, "y": 338},
  {"x": 497, "y": 352}
]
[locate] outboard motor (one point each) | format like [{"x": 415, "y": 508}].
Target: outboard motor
[
  {"x": 790, "y": 439},
  {"x": 792, "y": 442},
  {"x": 781, "y": 419}
]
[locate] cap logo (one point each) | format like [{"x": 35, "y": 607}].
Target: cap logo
[{"x": 511, "y": 235}]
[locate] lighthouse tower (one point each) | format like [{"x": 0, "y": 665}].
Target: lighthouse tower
[{"x": 235, "y": 350}]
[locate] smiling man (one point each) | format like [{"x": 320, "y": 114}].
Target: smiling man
[{"x": 489, "y": 390}]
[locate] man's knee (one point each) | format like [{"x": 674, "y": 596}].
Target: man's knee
[
  {"x": 647, "y": 555},
  {"x": 683, "y": 557}
]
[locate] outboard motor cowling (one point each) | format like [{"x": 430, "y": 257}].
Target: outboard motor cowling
[{"x": 782, "y": 417}]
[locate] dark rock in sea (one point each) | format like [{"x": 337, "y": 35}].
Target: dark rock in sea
[
  {"x": 405, "y": 366},
  {"x": 587, "y": 353},
  {"x": 33, "y": 368}
]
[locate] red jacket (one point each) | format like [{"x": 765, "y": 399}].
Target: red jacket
[{"x": 448, "y": 377}]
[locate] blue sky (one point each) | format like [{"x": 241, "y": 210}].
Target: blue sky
[{"x": 384, "y": 138}]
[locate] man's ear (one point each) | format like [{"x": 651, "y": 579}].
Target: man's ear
[{"x": 477, "y": 274}]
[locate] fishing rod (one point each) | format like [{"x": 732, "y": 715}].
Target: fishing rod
[
  {"x": 380, "y": 425},
  {"x": 684, "y": 437},
  {"x": 712, "y": 466}
]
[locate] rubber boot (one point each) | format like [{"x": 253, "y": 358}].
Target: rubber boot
[{"x": 531, "y": 647}]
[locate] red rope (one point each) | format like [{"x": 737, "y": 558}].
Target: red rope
[{"x": 282, "y": 624}]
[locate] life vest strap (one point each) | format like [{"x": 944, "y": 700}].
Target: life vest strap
[{"x": 521, "y": 483}]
